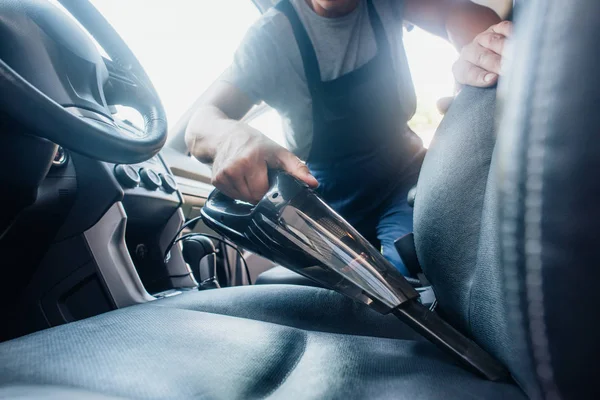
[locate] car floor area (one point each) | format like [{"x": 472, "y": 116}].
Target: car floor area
[{"x": 219, "y": 345}]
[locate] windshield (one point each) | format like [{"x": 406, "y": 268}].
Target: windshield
[{"x": 185, "y": 45}]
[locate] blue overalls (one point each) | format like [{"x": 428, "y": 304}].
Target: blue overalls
[{"x": 363, "y": 154}]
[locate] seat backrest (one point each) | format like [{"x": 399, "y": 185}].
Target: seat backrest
[
  {"x": 450, "y": 192},
  {"x": 456, "y": 230},
  {"x": 506, "y": 231}
]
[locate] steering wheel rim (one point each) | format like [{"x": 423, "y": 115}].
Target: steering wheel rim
[{"x": 98, "y": 137}]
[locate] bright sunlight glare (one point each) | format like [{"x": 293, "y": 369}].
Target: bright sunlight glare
[{"x": 185, "y": 45}]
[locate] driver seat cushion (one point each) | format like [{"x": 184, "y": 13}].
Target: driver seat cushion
[
  {"x": 175, "y": 349},
  {"x": 282, "y": 276}
]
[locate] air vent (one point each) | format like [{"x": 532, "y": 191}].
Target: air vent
[{"x": 64, "y": 194}]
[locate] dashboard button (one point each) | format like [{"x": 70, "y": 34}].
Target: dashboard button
[
  {"x": 150, "y": 178},
  {"x": 168, "y": 183},
  {"x": 127, "y": 176}
]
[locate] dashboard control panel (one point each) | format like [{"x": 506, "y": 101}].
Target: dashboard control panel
[
  {"x": 149, "y": 176},
  {"x": 150, "y": 192}
]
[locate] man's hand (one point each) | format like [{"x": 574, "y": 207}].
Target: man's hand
[
  {"x": 479, "y": 62},
  {"x": 240, "y": 155},
  {"x": 242, "y": 159}
]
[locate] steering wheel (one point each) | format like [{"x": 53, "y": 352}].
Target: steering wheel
[{"x": 56, "y": 84}]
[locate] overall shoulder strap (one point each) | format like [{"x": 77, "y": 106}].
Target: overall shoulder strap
[
  {"x": 307, "y": 50},
  {"x": 383, "y": 44}
]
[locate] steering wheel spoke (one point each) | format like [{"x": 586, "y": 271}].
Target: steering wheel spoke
[
  {"x": 122, "y": 86},
  {"x": 116, "y": 73}
]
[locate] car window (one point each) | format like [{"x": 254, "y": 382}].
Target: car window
[{"x": 430, "y": 59}]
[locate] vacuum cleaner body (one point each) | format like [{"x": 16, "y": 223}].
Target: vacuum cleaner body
[{"x": 293, "y": 227}]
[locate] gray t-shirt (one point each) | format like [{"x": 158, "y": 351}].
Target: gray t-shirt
[{"x": 268, "y": 66}]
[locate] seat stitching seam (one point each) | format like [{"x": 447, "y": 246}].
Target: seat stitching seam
[{"x": 533, "y": 209}]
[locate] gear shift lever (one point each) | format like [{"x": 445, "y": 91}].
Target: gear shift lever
[
  {"x": 199, "y": 252},
  {"x": 292, "y": 226}
]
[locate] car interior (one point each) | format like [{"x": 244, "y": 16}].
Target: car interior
[{"x": 108, "y": 294}]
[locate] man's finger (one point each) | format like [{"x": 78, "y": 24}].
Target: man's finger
[
  {"x": 482, "y": 58},
  {"x": 292, "y": 165},
  {"x": 240, "y": 184},
  {"x": 222, "y": 182},
  {"x": 492, "y": 41},
  {"x": 258, "y": 182},
  {"x": 467, "y": 73},
  {"x": 444, "y": 104},
  {"x": 504, "y": 28}
]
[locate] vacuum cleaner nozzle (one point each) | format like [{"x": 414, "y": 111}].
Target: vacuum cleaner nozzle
[{"x": 293, "y": 227}]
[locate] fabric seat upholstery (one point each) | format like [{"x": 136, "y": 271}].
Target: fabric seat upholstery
[
  {"x": 279, "y": 275},
  {"x": 300, "y": 307},
  {"x": 172, "y": 349}
]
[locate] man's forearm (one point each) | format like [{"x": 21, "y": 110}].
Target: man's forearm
[
  {"x": 465, "y": 21},
  {"x": 458, "y": 21},
  {"x": 207, "y": 129}
]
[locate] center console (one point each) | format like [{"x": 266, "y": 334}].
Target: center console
[
  {"x": 98, "y": 236},
  {"x": 152, "y": 203}
]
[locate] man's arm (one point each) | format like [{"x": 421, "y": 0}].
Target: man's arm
[
  {"x": 240, "y": 155},
  {"x": 459, "y": 21},
  {"x": 221, "y": 108},
  {"x": 476, "y": 31}
]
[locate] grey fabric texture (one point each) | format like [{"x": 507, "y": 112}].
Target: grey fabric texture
[
  {"x": 45, "y": 392},
  {"x": 489, "y": 317},
  {"x": 282, "y": 275},
  {"x": 301, "y": 307},
  {"x": 457, "y": 231},
  {"x": 549, "y": 195},
  {"x": 166, "y": 350},
  {"x": 449, "y": 204}
]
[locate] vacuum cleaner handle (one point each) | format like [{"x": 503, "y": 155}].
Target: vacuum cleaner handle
[{"x": 232, "y": 218}]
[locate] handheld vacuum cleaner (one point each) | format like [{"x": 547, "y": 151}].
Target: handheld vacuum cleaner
[{"x": 293, "y": 227}]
